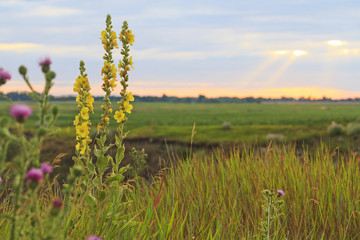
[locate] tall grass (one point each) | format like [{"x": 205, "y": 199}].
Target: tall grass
[{"x": 219, "y": 196}]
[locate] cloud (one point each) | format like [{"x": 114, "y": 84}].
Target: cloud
[
  {"x": 47, "y": 11},
  {"x": 58, "y": 50}
]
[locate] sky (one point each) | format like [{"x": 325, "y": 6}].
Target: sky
[{"x": 237, "y": 48}]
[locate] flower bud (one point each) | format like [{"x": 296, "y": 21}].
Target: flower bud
[
  {"x": 41, "y": 132},
  {"x": 22, "y": 70},
  {"x": 50, "y": 76},
  {"x": 55, "y": 111}
]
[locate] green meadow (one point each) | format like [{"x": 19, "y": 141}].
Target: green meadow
[{"x": 249, "y": 122}]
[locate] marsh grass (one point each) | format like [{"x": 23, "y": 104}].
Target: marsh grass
[{"x": 219, "y": 196}]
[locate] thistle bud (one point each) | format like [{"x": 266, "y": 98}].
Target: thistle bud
[{"x": 22, "y": 70}]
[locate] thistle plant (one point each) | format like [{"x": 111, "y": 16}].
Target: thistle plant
[
  {"x": 272, "y": 206},
  {"x": 26, "y": 217}
]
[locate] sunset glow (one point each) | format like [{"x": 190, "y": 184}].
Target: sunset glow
[
  {"x": 298, "y": 53},
  {"x": 335, "y": 43}
]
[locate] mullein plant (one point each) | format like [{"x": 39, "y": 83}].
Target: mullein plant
[{"x": 95, "y": 181}]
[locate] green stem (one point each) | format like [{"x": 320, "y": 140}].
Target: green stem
[
  {"x": 19, "y": 188},
  {"x": 268, "y": 220}
]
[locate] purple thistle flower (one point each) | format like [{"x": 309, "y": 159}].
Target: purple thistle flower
[
  {"x": 57, "y": 203},
  {"x": 281, "y": 192},
  {"x": 45, "y": 62},
  {"x": 35, "y": 174},
  {"x": 4, "y": 74},
  {"x": 94, "y": 238},
  {"x": 20, "y": 112},
  {"x": 0, "y": 180},
  {"x": 46, "y": 168}
]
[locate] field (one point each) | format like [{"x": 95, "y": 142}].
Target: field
[
  {"x": 212, "y": 189},
  {"x": 250, "y": 123}
]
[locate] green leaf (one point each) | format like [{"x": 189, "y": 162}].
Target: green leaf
[
  {"x": 90, "y": 199},
  {"x": 115, "y": 177},
  {"x": 123, "y": 169},
  {"x": 97, "y": 152},
  {"x": 120, "y": 154},
  {"x": 102, "y": 163},
  {"x": 91, "y": 167}
]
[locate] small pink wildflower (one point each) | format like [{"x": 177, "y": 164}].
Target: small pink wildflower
[
  {"x": 45, "y": 62},
  {"x": 57, "y": 203},
  {"x": 35, "y": 175},
  {"x": 46, "y": 168},
  {"x": 281, "y": 192},
  {"x": 0, "y": 180},
  {"x": 94, "y": 238},
  {"x": 20, "y": 112}
]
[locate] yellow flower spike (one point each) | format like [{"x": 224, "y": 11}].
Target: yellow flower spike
[
  {"x": 85, "y": 113},
  {"x": 131, "y": 62},
  {"x": 119, "y": 116}
]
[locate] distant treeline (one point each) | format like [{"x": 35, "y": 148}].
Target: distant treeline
[{"x": 22, "y": 96}]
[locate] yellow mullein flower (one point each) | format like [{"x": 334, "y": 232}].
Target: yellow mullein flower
[
  {"x": 127, "y": 68},
  {"x": 105, "y": 68},
  {"x": 131, "y": 62},
  {"x": 85, "y": 113},
  {"x": 77, "y": 87},
  {"x": 77, "y": 99},
  {"x": 110, "y": 110},
  {"x": 114, "y": 40},
  {"x": 89, "y": 102},
  {"x": 113, "y": 70},
  {"x": 83, "y": 146},
  {"x": 130, "y": 37},
  {"x": 121, "y": 73},
  {"x": 119, "y": 116},
  {"x": 82, "y": 130},
  {"x": 128, "y": 107},
  {"x": 129, "y": 97},
  {"x": 76, "y": 121},
  {"x": 113, "y": 83},
  {"x": 107, "y": 119}
]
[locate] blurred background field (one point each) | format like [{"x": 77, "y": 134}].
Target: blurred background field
[{"x": 217, "y": 123}]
